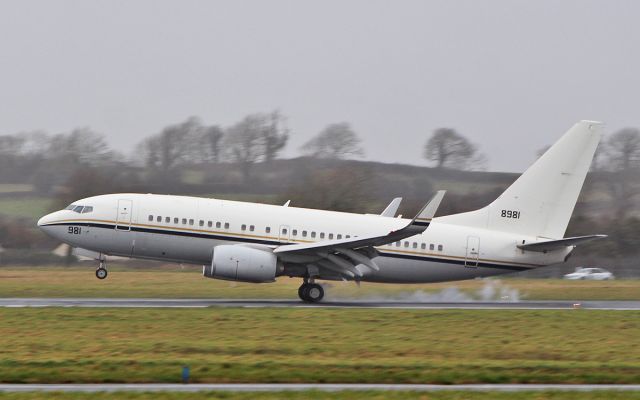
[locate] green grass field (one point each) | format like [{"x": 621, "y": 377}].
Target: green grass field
[
  {"x": 56, "y": 345},
  {"x": 312, "y": 395},
  {"x": 174, "y": 282}
]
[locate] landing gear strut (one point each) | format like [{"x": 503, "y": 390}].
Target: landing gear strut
[
  {"x": 101, "y": 272},
  {"x": 311, "y": 292}
]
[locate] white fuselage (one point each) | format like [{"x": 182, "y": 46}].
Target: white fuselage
[{"x": 187, "y": 229}]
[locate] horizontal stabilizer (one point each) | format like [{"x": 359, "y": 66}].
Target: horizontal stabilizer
[{"x": 551, "y": 245}]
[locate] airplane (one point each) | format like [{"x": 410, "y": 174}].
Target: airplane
[{"x": 522, "y": 229}]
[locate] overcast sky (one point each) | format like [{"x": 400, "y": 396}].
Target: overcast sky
[{"x": 510, "y": 75}]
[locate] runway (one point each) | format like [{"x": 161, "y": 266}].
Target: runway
[
  {"x": 255, "y": 303},
  {"x": 289, "y": 387}
]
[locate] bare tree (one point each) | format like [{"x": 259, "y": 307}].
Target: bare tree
[
  {"x": 258, "y": 137},
  {"x": 448, "y": 149},
  {"x": 82, "y": 145},
  {"x": 172, "y": 146},
  {"x": 243, "y": 143},
  {"x": 336, "y": 141},
  {"x": 211, "y": 141},
  {"x": 274, "y": 134},
  {"x": 623, "y": 149}
]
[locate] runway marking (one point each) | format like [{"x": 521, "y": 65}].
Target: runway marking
[
  {"x": 268, "y": 387},
  {"x": 286, "y": 303}
]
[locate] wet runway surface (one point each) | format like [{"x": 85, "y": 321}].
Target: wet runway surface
[
  {"x": 201, "y": 303},
  {"x": 275, "y": 387}
]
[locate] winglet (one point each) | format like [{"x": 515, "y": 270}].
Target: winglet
[
  {"x": 287, "y": 203},
  {"x": 392, "y": 208},
  {"x": 429, "y": 210}
]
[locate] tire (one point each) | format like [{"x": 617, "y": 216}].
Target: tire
[
  {"x": 314, "y": 293},
  {"x": 302, "y": 291},
  {"x": 101, "y": 273}
]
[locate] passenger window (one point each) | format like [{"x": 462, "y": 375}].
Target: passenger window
[
  {"x": 339, "y": 236},
  {"x": 406, "y": 244},
  {"x": 267, "y": 229},
  {"x": 304, "y": 233},
  {"x": 294, "y": 232},
  {"x": 218, "y": 224},
  {"x": 151, "y": 218},
  {"x": 190, "y": 221},
  {"x": 431, "y": 246},
  {"x": 226, "y": 225},
  {"x": 284, "y": 231},
  {"x": 439, "y": 247},
  {"x": 87, "y": 209},
  {"x": 415, "y": 245},
  {"x": 159, "y": 218},
  {"x": 331, "y": 236},
  {"x": 176, "y": 220},
  {"x": 167, "y": 219},
  {"x": 321, "y": 235},
  {"x": 243, "y": 227},
  {"x": 201, "y": 223},
  {"x": 252, "y": 228},
  {"x": 210, "y": 224},
  {"x": 348, "y": 236},
  {"x": 313, "y": 234},
  {"x": 184, "y": 221},
  {"x": 397, "y": 244},
  {"x": 423, "y": 246}
]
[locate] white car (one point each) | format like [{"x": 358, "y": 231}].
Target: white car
[{"x": 594, "y": 274}]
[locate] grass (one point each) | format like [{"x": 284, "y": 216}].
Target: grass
[
  {"x": 174, "y": 282},
  {"x": 311, "y": 395},
  {"x": 57, "y": 345},
  {"x": 25, "y": 207}
]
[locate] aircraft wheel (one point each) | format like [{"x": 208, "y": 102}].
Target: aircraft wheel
[
  {"x": 302, "y": 290},
  {"x": 101, "y": 273},
  {"x": 314, "y": 293}
]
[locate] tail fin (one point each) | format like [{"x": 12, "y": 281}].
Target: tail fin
[{"x": 540, "y": 202}]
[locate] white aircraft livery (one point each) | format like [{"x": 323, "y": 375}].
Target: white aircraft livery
[{"x": 522, "y": 229}]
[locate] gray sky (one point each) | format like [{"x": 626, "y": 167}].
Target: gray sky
[{"x": 510, "y": 75}]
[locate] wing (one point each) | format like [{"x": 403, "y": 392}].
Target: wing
[
  {"x": 551, "y": 245},
  {"x": 346, "y": 256},
  {"x": 392, "y": 208}
]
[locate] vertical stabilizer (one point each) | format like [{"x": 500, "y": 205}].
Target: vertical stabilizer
[{"x": 540, "y": 202}]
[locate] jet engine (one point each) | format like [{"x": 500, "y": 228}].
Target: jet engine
[{"x": 242, "y": 263}]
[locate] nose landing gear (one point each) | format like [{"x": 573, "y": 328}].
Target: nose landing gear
[
  {"x": 101, "y": 272},
  {"x": 311, "y": 292}
]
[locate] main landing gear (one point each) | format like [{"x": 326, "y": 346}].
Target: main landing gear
[
  {"x": 101, "y": 272},
  {"x": 311, "y": 292}
]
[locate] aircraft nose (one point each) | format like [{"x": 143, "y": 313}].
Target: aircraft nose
[{"x": 44, "y": 221}]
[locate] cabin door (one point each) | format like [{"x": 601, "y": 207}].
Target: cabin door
[
  {"x": 473, "y": 252},
  {"x": 123, "y": 239},
  {"x": 123, "y": 219}
]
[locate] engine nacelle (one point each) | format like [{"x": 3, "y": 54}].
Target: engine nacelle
[{"x": 241, "y": 263}]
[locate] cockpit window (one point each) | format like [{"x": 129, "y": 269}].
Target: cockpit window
[
  {"x": 87, "y": 209},
  {"x": 78, "y": 209},
  {"x": 70, "y": 207}
]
